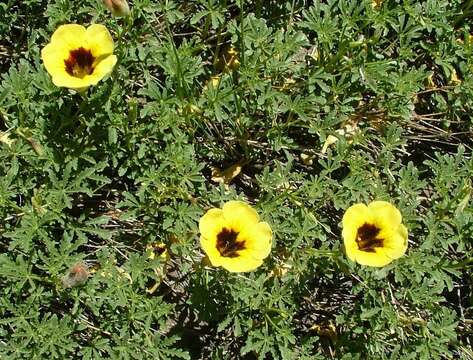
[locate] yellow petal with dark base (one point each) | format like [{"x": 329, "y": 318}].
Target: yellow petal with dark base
[
  {"x": 70, "y": 36},
  {"x": 211, "y": 223},
  {"x": 377, "y": 259},
  {"x": 355, "y": 216},
  {"x": 386, "y": 215},
  {"x": 99, "y": 40},
  {"x": 239, "y": 214},
  {"x": 258, "y": 240}
]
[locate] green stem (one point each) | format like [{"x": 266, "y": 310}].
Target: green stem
[
  {"x": 76, "y": 116},
  {"x": 291, "y": 17},
  {"x": 181, "y": 90},
  {"x": 320, "y": 253},
  {"x": 258, "y": 8},
  {"x": 125, "y": 29},
  {"x": 217, "y": 48},
  {"x": 462, "y": 264},
  {"x": 242, "y": 27}
]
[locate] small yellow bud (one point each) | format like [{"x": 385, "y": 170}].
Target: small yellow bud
[
  {"x": 376, "y": 4},
  {"x": 454, "y": 79},
  {"x": 118, "y": 8},
  {"x": 429, "y": 82},
  {"x": 213, "y": 82}
]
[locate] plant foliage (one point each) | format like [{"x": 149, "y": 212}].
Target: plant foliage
[{"x": 330, "y": 103}]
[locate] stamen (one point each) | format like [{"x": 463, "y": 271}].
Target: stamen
[
  {"x": 366, "y": 238},
  {"x": 227, "y": 245},
  {"x": 80, "y": 63}
]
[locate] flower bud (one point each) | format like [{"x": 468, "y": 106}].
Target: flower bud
[
  {"x": 77, "y": 275},
  {"x": 118, "y": 8}
]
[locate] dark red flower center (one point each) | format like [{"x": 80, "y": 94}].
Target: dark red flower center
[
  {"x": 367, "y": 238},
  {"x": 79, "y": 63},
  {"x": 159, "y": 250},
  {"x": 227, "y": 244}
]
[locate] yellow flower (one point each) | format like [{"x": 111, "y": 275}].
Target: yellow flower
[
  {"x": 374, "y": 235},
  {"x": 234, "y": 238},
  {"x": 157, "y": 250},
  {"x": 231, "y": 58},
  {"x": 78, "y": 57}
]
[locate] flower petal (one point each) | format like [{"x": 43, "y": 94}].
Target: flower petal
[
  {"x": 240, "y": 263},
  {"x": 385, "y": 214},
  {"x": 258, "y": 240},
  {"x": 102, "y": 69},
  {"x": 354, "y": 217},
  {"x": 351, "y": 248},
  {"x": 53, "y": 56},
  {"x": 209, "y": 247},
  {"x": 99, "y": 40},
  {"x": 211, "y": 223},
  {"x": 242, "y": 219},
  {"x": 395, "y": 245},
  {"x": 66, "y": 80},
  {"x": 70, "y": 36},
  {"x": 239, "y": 215},
  {"x": 377, "y": 259}
]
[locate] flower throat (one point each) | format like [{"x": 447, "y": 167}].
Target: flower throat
[
  {"x": 366, "y": 238},
  {"x": 227, "y": 245},
  {"x": 79, "y": 63}
]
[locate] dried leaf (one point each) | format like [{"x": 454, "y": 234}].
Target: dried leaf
[
  {"x": 307, "y": 159},
  {"x": 5, "y": 138},
  {"x": 227, "y": 175},
  {"x": 280, "y": 270},
  {"x": 329, "y": 141},
  {"x": 153, "y": 288},
  {"x": 466, "y": 199},
  {"x": 347, "y": 131},
  {"x": 314, "y": 53},
  {"x": 429, "y": 82},
  {"x": 231, "y": 58},
  {"x": 454, "y": 79},
  {"x": 376, "y": 4},
  {"x": 36, "y": 146},
  {"x": 124, "y": 274}
]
